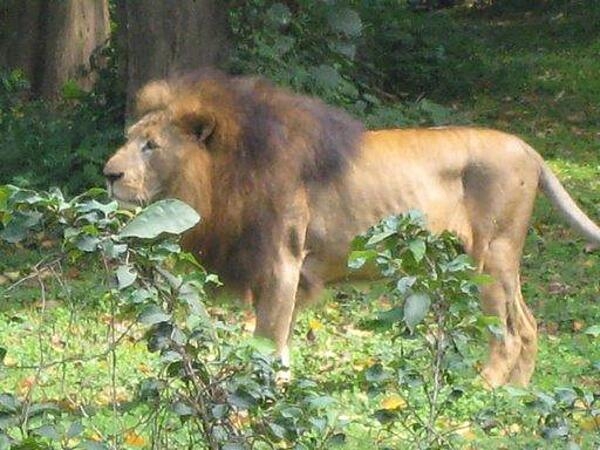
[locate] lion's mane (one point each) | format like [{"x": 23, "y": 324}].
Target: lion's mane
[{"x": 265, "y": 143}]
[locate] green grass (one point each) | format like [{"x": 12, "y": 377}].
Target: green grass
[{"x": 537, "y": 76}]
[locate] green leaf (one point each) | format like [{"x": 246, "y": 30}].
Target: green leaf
[
  {"x": 321, "y": 401},
  {"x": 153, "y": 315},
  {"x": 359, "y": 258},
  {"x": 515, "y": 391},
  {"x": 9, "y": 403},
  {"x": 593, "y": 331},
  {"x": 384, "y": 416},
  {"x": 326, "y": 77},
  {"x": 481, "y": 279},
  {"x": 415, "y": 309},
  {"x": 418, "y": 248},
  {"x": 376, "y": 374},
  {"x": 182, "y": 410},
  {"x": 345, "y": 21},
  {"x": 88, "y": 244},
  {"x": 16, "y": 230},
  {"x": 262, "y": 345},
  {"x": 4, "y": 195},
  {"x": 291, "y": 412},
  {"x": 390, "y": 317},
  {"x": 48, "y": 431},
  {"x": 279, "y": 14},
  {"x": 234, "y": 446},
  {"x": 112, "y": 250},
  {"x": 460, "y": 263},
  {"x": 126, "y": 276},
  {"x": 377, "y": 238},
  {"x": 277, "y": 431},
  {"x": 405, "y": 283},
  {"x": 75, "y": 429},
  {"x": 165, "y": 216},
  {"x": 94, "y": 205}
]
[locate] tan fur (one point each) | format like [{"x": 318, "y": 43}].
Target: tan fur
[{"x": 288, "y": 218}]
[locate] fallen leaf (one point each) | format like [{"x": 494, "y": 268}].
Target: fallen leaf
[
  {"x": 144, "y": 368},
  {"x": 392, "y": 402},
  {"x": 551, "y": 328},
  {"x": 590, "y": 423},
  {"x": 514, "y": 428},
  {"x": 465, "y": 431},
  {"x": 134, "y": 439},
  {"x": 48, "y": 243},
  {"x": 239, "y": 418},
  {"x": 12, "y": 276},
  {"x": 96, "y": 437},
  {"x": 362, "y": 363},
  {"x": 10, "y": 361},
  {"x": 557, "y": 288},
  {"x": 57, "y": 342},
  {"x": 73, "y": 273},
  {"x": 26, "y": 384}
]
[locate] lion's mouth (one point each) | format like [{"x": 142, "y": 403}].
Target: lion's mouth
[{"x": 123, "y": 201}]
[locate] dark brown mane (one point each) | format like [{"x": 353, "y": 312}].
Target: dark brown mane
[{"x": 267, "y": 143}]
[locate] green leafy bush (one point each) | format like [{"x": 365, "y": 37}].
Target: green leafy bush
[
  {"x": 432, "y": 288},
  {"x": 350, "y": 54},
  {"x": 62, "y": 143},
  {"x": 220, "y": 394}
]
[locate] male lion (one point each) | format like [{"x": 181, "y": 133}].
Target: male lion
[{"x": 284, "y": 182}]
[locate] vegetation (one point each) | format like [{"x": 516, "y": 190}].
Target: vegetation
[{"x": 109, "y": 341}]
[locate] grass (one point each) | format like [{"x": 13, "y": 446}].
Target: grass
[{"x": 538, "y": 78}]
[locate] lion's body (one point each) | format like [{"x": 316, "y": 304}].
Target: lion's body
[
  {"x": 453, "y": 175},
  {"x": 278, "y": 224}
]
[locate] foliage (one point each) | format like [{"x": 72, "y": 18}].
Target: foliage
[
  {"x": 209, "y": 388},
  {"x": 222, "y": 395},
  {"x": 310, "y": 46},
  {"x": 61, "y": 143},
  {"x": 432, "y": 289},
  {"x": 427, "y": 277},
  {"x": 324, "y": 49}
]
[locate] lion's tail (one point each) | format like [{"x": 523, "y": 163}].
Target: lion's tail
[{"x": 561, "y": 199}]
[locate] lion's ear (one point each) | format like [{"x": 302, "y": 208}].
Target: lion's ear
[
  {"x": 201, "y": 126},
  {"x": 156, "y": 95}
]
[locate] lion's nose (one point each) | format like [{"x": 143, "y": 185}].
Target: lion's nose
[{"x": 112, "y": 176}]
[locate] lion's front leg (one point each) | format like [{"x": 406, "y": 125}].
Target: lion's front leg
[{"x": 274, "y": 304}]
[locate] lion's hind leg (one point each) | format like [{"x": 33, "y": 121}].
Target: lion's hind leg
[
  {"x": 527, "y": 326},
  {"x": 512, "y": 356}
]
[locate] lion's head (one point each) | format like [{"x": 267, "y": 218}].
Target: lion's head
[{"x": 236, "y": 149}]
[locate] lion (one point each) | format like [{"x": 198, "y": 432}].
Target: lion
[{"x": 284, "y": 182}]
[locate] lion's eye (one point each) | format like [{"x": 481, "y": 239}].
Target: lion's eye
[{"x": 149, "y": 145}]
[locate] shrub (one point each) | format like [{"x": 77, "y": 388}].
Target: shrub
[{"x": 62, "y": 143}]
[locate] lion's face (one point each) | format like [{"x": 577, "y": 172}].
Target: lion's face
[{"x": 147, "y": 166}]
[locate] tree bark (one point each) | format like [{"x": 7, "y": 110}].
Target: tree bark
[
  {"x": 164, "y": 38},
  {"x": 52, "y": 40}
]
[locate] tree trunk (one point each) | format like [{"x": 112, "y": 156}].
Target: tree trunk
[
  {"x": 164, "y": 38},
  {"x": 52, "y": 40}
]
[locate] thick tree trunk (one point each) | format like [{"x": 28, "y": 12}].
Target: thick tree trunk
[
  {"x": 52, "y": 40},
  {"x": 164, "y": 38}
]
